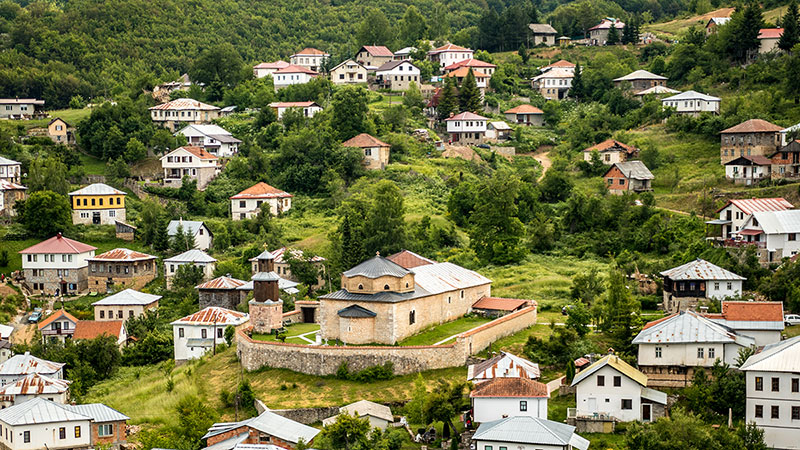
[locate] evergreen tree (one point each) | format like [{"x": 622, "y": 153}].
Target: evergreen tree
[
  {"x": 635, "y": 33},
  {"x": 350, "y": 112},
  {"x": 791, "y": 28},
  {"x": 352, "y": 250},
  {"x": 577, "y": 90},
  {"x": 627, "y": 33},
  {"x": 744, "y": 28},
  {"x": 523, "y": 53},
  {"x": 448, "y": 99},
  {"x": 496, "y": 234},
  {"x": 469, "y": 96},
  {"x": 161, "y": 242},
  {"x": 613, "y": 35},
  {"x": 791, "y": 80}
]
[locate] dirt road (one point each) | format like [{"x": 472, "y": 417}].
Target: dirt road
[{"x": 544, "y": 160}]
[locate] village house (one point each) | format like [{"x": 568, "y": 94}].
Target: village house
[
  {"x": 22, "y": 365},
  {"x": 639, "y": 80},
  {"x": 449, "y": 54},
  {"x": 690, "y": 285},
  {"x": 714, "y": 23},
  {"x": 497, "y": 130},
  {"x": 656, "y": 91},
  {"x": 91, "y": 329},
  {"x": 736, "y": 212},
  {"x": 611, "y": 152},
  {"x": 374, "y": 55},
  {"x": 59, "y": 326},
  {"x": 189, "y": 161},
  {"x": 161, "y": 92},
  {"x": 57, "y": 266},
  {"x": 266, "y": 428},
  {"x": 772, "y": 383},
  {"x": 108, "y": 426},
  {"x": 10, "y": 194},
  {"x": 466, "y": 128},
  {"x": 502, "y": 365},
  {"x": 97, "y": 204},
  {"x": 20, "y": 108},
  {"x": 199, "y": 333},
  {"x": 481, "y": 79},
  {"x": 60, "y": 132},
  {"x": 598, "y": 34},
  {"x": 611, "y": 389},
  {"x": 376, "y": 152},
  {"x": 42, "y": 424},
  {"x": 525, "y": 115},
  {"x": 349, "y": 72},
  {"x": 774, "y": 233},
  {"x": 222, "y": 292},
  {"x": 121, "y": 267},
  {"x": 195, "y": 257},
  {"x": 562, "y": 64},
  {"x": 309, "y": 58},
  {"x": 247, "y": 204},
  {"x": 554, "y": 84},
  {"x": 382, "y": 302},
  {"x": 379, "y": 416},
  {"x": 125, "y": 304},
  {"x": 180, "y": 112},
  {"x": 785, "y": 163},
  {"x": 628, "y": 176},
  {"x": 476, "y": 65},
  {"x": 768, "y": 39},
  {"x": 748, "y": 170},
  {"x": 524, "y": 432},
  {"x": 502, "y": 397},
  {"x": 268, "y": 68},
  {"x": 124, "y": 231},
  {"x": 5, "y": 346},
  {"x": 751, "y": 138},
  {"x": 408, "y": 259},
  {"x": 281, "y": 258},
  {"x": 543, "y": 34},
  {"x": 762, "y": 321},
  {"x": 212, "y": 138},
  {"x": 309, "y": 109},
  {"x": 33, "y": 386},
  {"x": 203, "y": 238},
  {"x": 404, "y": 53},
  {"x": 692, "y": 103},
  {"x": 10, "y": 170},
  {"x": 672, "y": 348},
  {"x": 397, "y": 75},
  {"x": 291, "y": 75}
]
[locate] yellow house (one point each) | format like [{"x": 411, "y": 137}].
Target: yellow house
[
  {"x": 97, "y": 204},
  {"x": 61, "y": 132}
]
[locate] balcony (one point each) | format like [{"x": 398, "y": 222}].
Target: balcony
[{"x": 738, "y": 243}]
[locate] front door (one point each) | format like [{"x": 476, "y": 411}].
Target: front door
[
  {"x": 646, "y": 412},
  {"x": 308, "y": 315},
  {"x": 96, "y": 218},
  {"x": 592, "y": 405}
]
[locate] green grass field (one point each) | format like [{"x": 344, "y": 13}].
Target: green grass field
[
  {"x": 438, "y": 333},
  {"x": 292, "y": 333}
]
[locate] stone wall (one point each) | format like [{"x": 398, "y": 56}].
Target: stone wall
[
  {"x": 325, "y": 360},
  {"x": 307, "y": 416},
  {"x": 295, "y": 316}
]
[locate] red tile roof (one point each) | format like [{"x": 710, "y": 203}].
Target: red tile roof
[
  {"x": 606, "y": 24},
  {"x": 55, "y": 316},
  {"x": 377, "y": 50},
  {"x": 364, "y": 140},
  {"x": 510, "y": 387},
  {"x": 408, "y": 259},
  {"x": 296, "y": 69},
  {"x": 753, "y": 126},
  {"x": 449, "y": 48},
  {"x": 499, "y": 304},
  {"x": 198, "y": 151},
  {"x": 524, "y": 109},
  {"x": 261, "y": 190},
  {"x": 466, "y": 116},
  {"x": 213, "y": 314},
  {"x": 609, "y": 143},
  {"x": 58, "y": 244},
  {"x": 292, "y": 104},
  {"x": 310, "y": 51},
  {"x": 563, "y": 63},
  {"x": 770, "y": 33},
  {"x": 753, "y": 311},
  {"x": 185, "y": 103},
  {"x": 123, "y": 254},
  {"x": 272, "y": 65},
  {"x": 472, "y": 62},
  {"x": 464, "y": 71},
  {"x": 90, "y": 329},
  {"x": 656, "y": 322},
  {"x": 751, "y": 205}
]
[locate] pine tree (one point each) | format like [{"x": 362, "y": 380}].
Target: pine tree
[
  {"x": 448, "y": 99},
  {"x": 523, "y": 53},
  {"x": 635, "y": 30},
  {"x": 791, "y": 81},
  {"x": 791, "y": 28},
  {"x": 613, "y": 35},
  {"x": 161, "y": 242},
  {"x": 627, "y": 33},
  {"x": 469, "y": 96},
  {"x": 578, "y": 90}
]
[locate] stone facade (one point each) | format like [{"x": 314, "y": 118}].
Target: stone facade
[
  {"x": 734, "y": 145},
  {"x": 97, "y": 216},
  {"x": 50, "y": 280},
  {"x": 253, "y": 437},
  {"x": 224, "y": 298},
  {"x": 103, "y": 276},
  {"x": 307, "y": 416},
  {"x": 117, "y": 437},
  {"x": 266, "y": 316}
]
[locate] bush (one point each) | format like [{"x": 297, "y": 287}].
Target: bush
[{"x": 368, "y": 375}]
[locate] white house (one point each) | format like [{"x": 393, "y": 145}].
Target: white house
[
  {"x": 10, "y": 170},
  {"x": 404, "y": 53},
  {"x": 58, "y": 326},
  {"x": 268, "y": 68},
  {"x": 466, "y": 128},
  {"x": 502, "y": 365},
  {"x": 180, "y": 112},
  {"x": 525, "y": 115},
  {"x": 212, "y": 138},
  {"x": 476, "y": 65},
  {"x": 736, "y": 212},
  {"x": 449, "y": 54},
  {"x": 308, "y": 108},
  {"x": 203, "y": 238},
  {"x": 773, "y": 393},
  {"x": 198, "y": 258},
  {"x": 554, "y": 84},
  {"x": 776, "y": 232},
  {"x": 611, "y": 388},
  {"x": 349, "y": 72},
  {"x": 379, "y": 416},
  {"x": 198, "y": 333},
  {"x": 33, "y": 386},
  {"x": 42, "y": 424},
  {"x": 527, "y": 433},
  {"x": 19, "y": 108},
  {"x": 310, "y": 58},
  {"x": 247, "y": 204},
  {"x": 508, "y": 397},
  {"x": 788, "y": 135},
  {"x": 670, "y": 349},
  {"x": 124, "y": 305},
  {"x": 690, "y": 284},
  {"x": 762, "y": 321},
  {"x": 692, "y": 103},
  {"x": 748, "y": 170},
  {"x": 397, "y": 75},
  {"x": 19, "y": 366},
  {"x": 189, "y": 161},
  {"x": 57, "y": 265},
  {"x": 292, "y": 74}
]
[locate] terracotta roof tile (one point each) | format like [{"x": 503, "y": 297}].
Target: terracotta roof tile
[
  {"x": 562, "y": 63},
  {"x": 261, "y": 190},
  {"x": 409, "y": 260},
  {"x": 272, "y": 65},
  {"x": 185, "y": 103},
  {"x": 753, "y": 311},
  {"x": 199, "y": 152},
  {"x": 472, "y": 62},
  {"x": 55, "y": 316},
  {"x": 770, "y": 33},
  {"x": 223, "y": 282},
  {"x": 364, "y": 140},
  {"x": 499, "y": 304},
  {"x": 90, "y": 329},
  {"x": 296, "y": 69},
  {"x": 753, "y": 126},
  {"x": 466, "y": 116},
  {"x": 751, "y": 205},
  {"x": 449, "y": 48},
  {"x": 611, "y": 143},
  {"x": 59, "y": 244},
  {"x": 214, "y": 314},
  {"x": 464, "y": 71},
  {"x": 310, "y": 51},
  {"x": 377, "y": 50},
  {"x": 524, "y": 109},
  {"x": 292, "y": 104},
  {"x": 510, "y": 387}
]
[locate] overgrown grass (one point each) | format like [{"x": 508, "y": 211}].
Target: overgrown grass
[
  {"x": 438, "y": 333},
  {"x": 92, "y": 165},
  {"x": 292, "y": 333}
]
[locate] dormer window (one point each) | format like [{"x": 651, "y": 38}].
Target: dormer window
[{"x": 385, "y": 287}]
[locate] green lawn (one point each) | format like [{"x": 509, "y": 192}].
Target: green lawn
[
  {"x": 92, "y": 165},
  {"x": 437, "y": 333},
  {"x": 792, "y": 331},
  {"x": 292, "y": 333}
]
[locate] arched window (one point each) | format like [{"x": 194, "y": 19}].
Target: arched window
[
  {"x": 361, "y": 286},
  {"x": 385, "y": 287},
  {"x": 462, "y": 294},
  {"x": 406, "y": 284}
]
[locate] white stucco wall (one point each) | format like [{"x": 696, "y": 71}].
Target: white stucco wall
[
  {"x": 686, "y": 354},
  {"x": 487, "y": 409},
  {"x": 183, "y": 351},
  {"x": 607, "y": 399},
  {"x": 46, "y": 435},
  {"x": 782, "y": 432}
]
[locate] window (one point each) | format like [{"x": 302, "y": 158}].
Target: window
[
  {"x": 119, "y": 314},
  {"x": 385, "y": 287},
  {"x": 523, "y": 405},
  {"x": 487, "y": 447},
  {"x": 759, "y": 411},
  {"x": 795, "y": 384},
  {"x": 617, "y": 381},
  {"x": 204, "y": 333},
  {"x": 795, "y": 412},
  {"x": 130, "y": 314},
  {"x": 242, "y": 203},
  {"x": 219, "y": 333},
  {"x": 106, "y": 429},
  {"x": 77, "y": 431},
  {"x": 180, "y": 331},
  {"x": 412, "y": 317},
  {"x": 26, "y": 437},
  {"x": 759, "y": 384},
  {"x": 775, "y": 412},
  {"x": 62, "y": 433},
  {"x": 792, "y": 237},
  {"x": 112, "y": 214},
  {"x": 658, "y": 352},
  {"x": 730, "y": 285},
  {"x": 102, "y": 314},
  {"x": 700, "y": 353},
  {"x": 601, "y": 380},
  {"x": 716, "y": 286},
  {"x": 627, "y": 403},
  {"x": 776, "y": 384},
  {"x": 367, "y": 152},
  {"x": 711, "y": 353}
]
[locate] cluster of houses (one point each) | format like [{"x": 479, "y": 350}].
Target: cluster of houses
[{"x": 757, "y": 150}]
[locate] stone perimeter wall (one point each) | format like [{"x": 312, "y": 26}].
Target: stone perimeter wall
[{"x": 325, "y": 360}]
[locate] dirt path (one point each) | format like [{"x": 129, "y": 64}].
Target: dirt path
[{"x": 544, "y": 160}]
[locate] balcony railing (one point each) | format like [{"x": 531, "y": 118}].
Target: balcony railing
[
  {"x": 739, "y": 243},
  {"x": 573, "y": 413}
]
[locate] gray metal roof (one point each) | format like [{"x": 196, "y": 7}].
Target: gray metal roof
[
  {"x": 128, "y": 297},
  {"x": 98, "y": 412},
  {"x": 640, "y": 75},
  {"x": 778, "y": 357},
  {"x": 192, "y": 226},
  {"x": 757, "y": 325},
  {"x": 779, "y": 222},
  {"x": 689, "y": 327},
  {"x": 356, "y": 312},
  {"x": 266, "y": 276},
  {"x": 268, "y": 422},
  {"x": 39, "y": 410},
  {"x": 700, "y": 269},
  {"x": 691, "y": 95},
  {"x": 530, "y": 430},
  {"x": 654, "y": 395},
  {"x": 8, "y": 162},
  {"x": 26, "y": 363},
  {"x": 191, "y": 256},
  {"x": 377, "y": 267},
  {"x": 265, "y": 255},
  {"x": 97, "y": 189},
  {"x": 635, "y": 170},
  {"x": 542, "y": 28}
]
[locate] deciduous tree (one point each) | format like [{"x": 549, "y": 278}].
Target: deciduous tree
[{"x": 45, "y": 213}]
